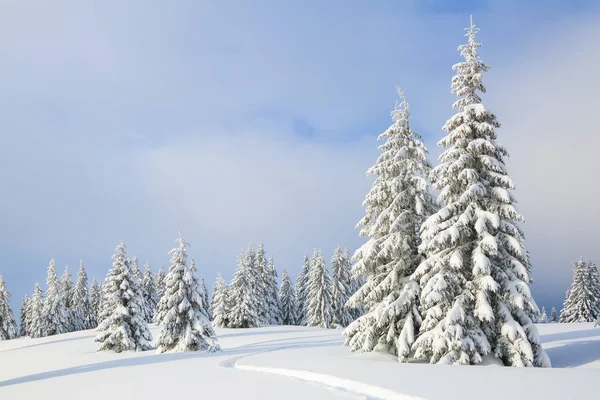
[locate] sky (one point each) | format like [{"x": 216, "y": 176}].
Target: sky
[{"x": 240, "y": 121}]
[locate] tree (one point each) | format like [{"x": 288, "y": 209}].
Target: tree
[
  {"x": 318, "y": 307},
  {"x": 83, "y": 315},
  {"x": 8, "y": 325},
  {"x": 67, "y": 295},
  {"x": 204, "y": 291},
  {"x": 35, "y": 315},
  {"x": 396, "y": 206},
  {"x": 150, "y": 293},
  {"x": 583, "y": 298},
  {"x": 287, "y": 298},
  {"x": 124, "y": 328},
  {"x": 184, "y": 323},
  {"x": 106, "y": 305},
  {"x": 135, "y": 264},
  {"x": 220, "y": 304},
  {"x": 260, "y": 278},
  {"x": 340, "y": 289},
  {"x": 23, "y": 329},
  {"x": 553, "y": 315},
  {"x": 95, "y": 302},
  {"x": 543, "y": 316},
  {"x": 159, "y": 282},
  {"x": 272, "y": 299},
  {"x": 244, "y": 313},
  {"x": 475, "y": 297},
  {"x": 56, "y": 320},
  {"x": 355, "y": 284},
  {"x": 301, "y": 291}
]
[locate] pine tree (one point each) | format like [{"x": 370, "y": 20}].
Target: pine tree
[
  {"x": 95, "y": 302},
  {"x": 397, "y": 204},
  {"x": 301, "y": 291},
  {"x": 355, "y": 284},
  {"x": 83, "y": 314},
  {"x": 340, "y": 289},
  {"x": 260, "y": 279},
  {"x": 243, "y": 312},
  {"x": 124, "y": 328},
  {"x": 583, "y": 298},
  {"x": 56, "y": 320},
  {"x": 318, "y": 306},
  {"x": 475, "y": 297},
  {"x": 272, "y": 299},
  {"x": 159, "y": 282},
  {"x": 543, "y": 316},
  {"x": 150, "y": 293},
  {"x": 8, "y": 325},
  {"x": 23, "y": 329},
  {"x": 184, "y": 323},
  {"x": 67, "y": 295},
  {"x": 553, "y": 315},
  {"x": 35, "y": 315},
  {"x": 135, "y": 265},
  {"x": 205, "y": 297},
  {"x": 287, "y": 299},
  {"x": 220, "y": 305},
  {"x": 106, "y": 305}
]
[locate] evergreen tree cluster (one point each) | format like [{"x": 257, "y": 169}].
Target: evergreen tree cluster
[{"x": 582, "y": 303}]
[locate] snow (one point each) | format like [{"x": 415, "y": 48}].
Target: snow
[{"x": 289, "y": 362}]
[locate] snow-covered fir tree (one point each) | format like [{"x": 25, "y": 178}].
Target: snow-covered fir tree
[
  {"x": 124, "y": 328},
  {"x": 150, "y": 293},
  {"x": 135, "y": 265},
  {"x": 106, "y": 305},
  {"x": 301, "y": 288},
  {"x": 272, "y": 298},
  {"x": 543, "y": 316},
  {"x": 159, "y": 282},
  {"x": 287, "y": 299},
  {"x": 582, "y": 303},
  {"x": 553, "y": 315},
  {"x": 83, "y": 314},
  {"x": 35, "y": 315},
  {"x": 340, "y": 290},
  {"x": 184, "y": 323},
  {"x": 220, "y": 305},
  {"x": 8, "y": 325},
  {"x": 243, "y": 312},
  {"x": 205, "y": 297},
  {"x": 318, "y": 303},
  {"x": 56, "y": 320},
  {"x": 68, "y": 288},
  {"x": 396, "y": 206},
  {"x": 475, "y": 297},
  {"x": 95, "y": 301},
  {"x": 23, "y": 329},
  {"x": 355, "y": 284},
  {"x": 260, "y": 279}
]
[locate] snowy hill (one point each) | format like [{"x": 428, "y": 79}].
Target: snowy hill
[{"x": 290, "y": 363}]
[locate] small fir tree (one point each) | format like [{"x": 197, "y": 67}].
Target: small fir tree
[
  {"x": 553, "y": 315},
  {"x": 56, "y": 320},
  {"x": 220, "y": 304},
  {"x": 124, "y": 328},
  {"x": 301, "y": 291},
  {"x": 35, "y": 314},
  {"x": 205, "y": 297},
  {"x": 543, "y": 316},
  {"x": 95, "y": 302},
  {"x": 67, "y": 288},
  {"x": 135, "y": 265},
  {"x": 159, "y": 282},
  {"x": 150, "y": 293},
  {"x": 243, "y": 312},
  {"x": 260, "y": 289},
  {"x": 8, "y": 325},
  {"x": 340, "y": 289},
  {"x": 83, "y": 314},
  {"x": 318, "y": 308},
  {"x": 23, "y": 329},
  {"x": 287, "y": 298},
  {"x": 583, "y": 298},
  {"x": 272, "y": 300}
]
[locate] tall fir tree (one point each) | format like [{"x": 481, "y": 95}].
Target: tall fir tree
[
  {"x": 8, "y": 325},
  {"x": 206, "y": 297},
  {"x": 83, "y": 314},
  {"x": 67, "y": 289},
  {"x": 135, "y": 265},
  {"x": 582, "y": 303},
  {"x": 340, "y": 290},
  {"x": 35, "y": 316},
  {"x": 23, "y": 329},
  {"x": 287, "y": 299},
  {"x": 272, "y": 298},
  {"x": 150, "y": 293},
  {"x": 184, "y": 323},
  {"x": 475, "y": 297},
  {"x": 243, "y": 312},
  {"x": 220, "y": 304},
  {"x": 553, "y": 315},
  {"x": 56, "y": 320},
  {"x": 124, "y": 328},
  {"x": 95, "y": 301},
  {"x": 301, "y": 291},
  {"x": 260, "y": 289},
  {"x": 396, "y": 206},
  {"x": 159, "y": 282},
  {"x": 318, "y": 308}
]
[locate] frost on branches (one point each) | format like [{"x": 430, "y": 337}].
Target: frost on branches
[
  {"x": 123, "y": 327},
  {"x": 583, "y": 298},
  {"x": 24, "y": 310},
  {"x": 83, "y": 315},
  {"x": 8, "y": 325},
  {"x": 243, "y": 313},
  {"x": 475, "y": 296},
  {"x": 318, "y": 294},
  {"x": 95, "y": 300},
  {"x": 220, "y": 304},
  {"x": 301, "y": 288},
  {"x": 35, "y": 316},
  {"x": 272, "y": 299},
  {"x": 260, "y": 279},
  {"x": 182, "y": 315},
  {"x": 396, "y": 206},
  {"x": 66, "y": 283},
  {"x": 135, "y": 265},
  {"x": 150, "y": 294},
  {"x": 341, "y": 288},
  {"x": 287, "y": 299},
  {"x": 55, "y": 313}
]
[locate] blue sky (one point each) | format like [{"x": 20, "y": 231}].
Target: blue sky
[{"x": 240, "y": 121}]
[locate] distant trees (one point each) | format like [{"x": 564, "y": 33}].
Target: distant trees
[
  {"x": 8, "y": 325},
  {"x": 553, "y": 315},
  {"x": 287, "y": 300},
  {"x": 582, "y": 303},
  {"x": 56, "y": 319},
  {"x": 319, "y": 311},
  {"x": 220, "y": 304}
]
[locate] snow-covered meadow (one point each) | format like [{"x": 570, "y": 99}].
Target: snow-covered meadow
[{"x": 288, "y": 362}]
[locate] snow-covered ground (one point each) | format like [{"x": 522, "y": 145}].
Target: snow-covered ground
[{"x": 287, "y": 363}]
